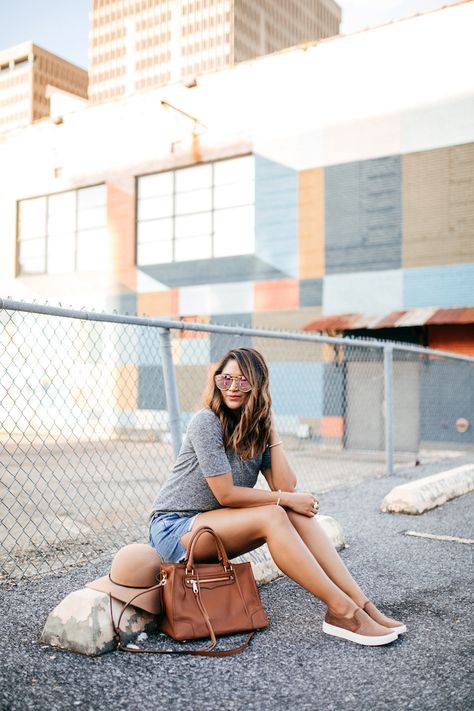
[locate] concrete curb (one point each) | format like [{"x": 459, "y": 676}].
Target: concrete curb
[
  {"x": 421, "y": 495},
  {"x": 81, "y": 622}
]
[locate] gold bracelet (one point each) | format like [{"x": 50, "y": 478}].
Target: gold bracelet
[
  {"x": 279, "y": 498},
  {"x": 275, "y": 444}
]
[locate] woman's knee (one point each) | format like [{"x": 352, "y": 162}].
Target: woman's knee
[{"x": 272, "y": 516}]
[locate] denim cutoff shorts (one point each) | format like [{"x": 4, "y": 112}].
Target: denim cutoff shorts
[{"x": 165, "y": 532}]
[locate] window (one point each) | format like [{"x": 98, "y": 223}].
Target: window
[
  {"x": 199, "y": 212},
  {"x": 63, "y": 233}
]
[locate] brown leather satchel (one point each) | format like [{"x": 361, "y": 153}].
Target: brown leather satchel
[{"x": 207, "y": 599}]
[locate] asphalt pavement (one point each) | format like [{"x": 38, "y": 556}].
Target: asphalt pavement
[{"x": 425, "y": 582}]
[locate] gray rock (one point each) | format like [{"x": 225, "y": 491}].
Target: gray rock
[{"x": 82, "y": 623}]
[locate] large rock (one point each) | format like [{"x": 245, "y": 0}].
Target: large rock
[
  {"x": 431, "y": 491},
  {"x": 81, "y": 623}
]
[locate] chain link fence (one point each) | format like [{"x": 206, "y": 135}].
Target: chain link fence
[{"x": 93, "y": 406}]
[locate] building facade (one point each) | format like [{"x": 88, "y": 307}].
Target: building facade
[
  {"x": 138, "y": 45},
  {"x": 26, "y": 71},
  {"x": 256, "y": 199}
]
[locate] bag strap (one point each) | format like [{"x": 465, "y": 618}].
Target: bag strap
[
  {"x": 221, "y": 551},
  {"x": 203, "y": 652}
]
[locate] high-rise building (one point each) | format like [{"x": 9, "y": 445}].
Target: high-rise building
[
  {"x": 136, "y": 44},
  {"x": 25, "y": 72}
]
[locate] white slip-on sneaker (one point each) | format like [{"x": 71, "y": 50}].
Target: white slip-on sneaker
[
  {"x": 382, "y": 619},
  {"x": 359, "y": 628}
]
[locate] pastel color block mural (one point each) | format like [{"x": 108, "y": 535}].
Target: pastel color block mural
[
  {"x": 303, "y": 390},
  {"x": 448, "y": 286},
  {"x": 276, "y": 215},
  {"x": 366, "y": 292},
  {"x": 363, "y": 216},
  {"x": 151, "y": 388},
  {"x": 311, "y": 223},
  {"x": 276, "y": 294},
  {"x": 438, "y": 206}
]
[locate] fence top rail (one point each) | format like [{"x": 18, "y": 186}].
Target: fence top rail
[{"x": 47, "y": 310}]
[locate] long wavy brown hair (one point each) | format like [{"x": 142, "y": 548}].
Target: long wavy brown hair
[{"x": 247, "y": 430}]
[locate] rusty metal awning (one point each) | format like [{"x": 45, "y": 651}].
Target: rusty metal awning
[{"x": 394, "y": 319}]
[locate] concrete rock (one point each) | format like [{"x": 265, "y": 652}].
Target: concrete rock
[
  {"x": 431, "y": 491},
  {"x": 81, "y": 623}
]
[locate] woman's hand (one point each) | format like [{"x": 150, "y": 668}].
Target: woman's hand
[{"x": 302, "y": 503}]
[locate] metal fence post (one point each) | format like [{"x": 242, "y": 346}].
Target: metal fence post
[
  {"x": 388, "y": 389},
  {"x": 171, "y": 389}
]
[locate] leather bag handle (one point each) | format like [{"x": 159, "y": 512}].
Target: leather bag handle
[{"x": 221, "y": 551}]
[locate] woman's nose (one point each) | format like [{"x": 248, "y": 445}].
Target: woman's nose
[{"x": 234, "y": 385}]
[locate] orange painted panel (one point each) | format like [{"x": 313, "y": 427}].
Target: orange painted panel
[
  {"x": 156, "y": 303},
  {"x": 332, "y": 426},
  {"x": 456, "y": 339},
  {"x": 311, "y": 223},
  {"x": 121, "y": 229},
  {"x": 194, "y": 334},
  {"x": 125, "y": 391},
  {"x": 279, "y": 294}
]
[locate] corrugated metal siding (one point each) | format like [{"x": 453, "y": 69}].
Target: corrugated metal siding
[
  {"x": 438, "y": 206},
  {"x": 363, "y": 216},
  {"x": 276, "y": 215},
  {"x": 452, "y": 285}
]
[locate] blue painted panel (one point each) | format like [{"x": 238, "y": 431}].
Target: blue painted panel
[
  {"x": 148, "y": 346},
  {"x": 363, "y": 216},
  {"x": 297, "y": 388},
  {"x": 276, "y": 215},
  {"x": 311, "y": 292},
  {"x": 151, "y": 388},
  {"x": 223, "y": 342},
  {"x": 448, "y": 286},
  {"x": 446, "y": 395},
  {"x": 334, "y": 389}
]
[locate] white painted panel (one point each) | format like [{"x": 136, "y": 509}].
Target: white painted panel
[{"x": 366, "y": 292}]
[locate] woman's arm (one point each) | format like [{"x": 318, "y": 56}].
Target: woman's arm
[
  {"x": 231, "y": 496},
  {"x": 281, "y": 475}
]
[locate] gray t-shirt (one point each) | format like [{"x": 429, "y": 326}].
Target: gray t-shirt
[{"x": 202, "y": 455}]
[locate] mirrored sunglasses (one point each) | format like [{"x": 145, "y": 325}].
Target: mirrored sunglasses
[{"x": 224, "y": 382}]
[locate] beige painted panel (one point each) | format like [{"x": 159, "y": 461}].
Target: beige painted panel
[{"x": 438, "y": 206}]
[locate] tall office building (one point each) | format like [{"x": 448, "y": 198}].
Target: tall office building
[
  {"x": 137, "y": 44},
  {"x": 25, "y": 72}
]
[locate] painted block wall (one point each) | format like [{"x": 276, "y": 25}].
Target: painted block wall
[
  {"x": 446, "y": 395},
  {"x": 276, "y": 215},
  {"x": 363, "y": 216}
]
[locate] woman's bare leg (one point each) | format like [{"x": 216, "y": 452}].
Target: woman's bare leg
[
  {"x": 328, "y": 558},
  {"x": 244, "y": 529}
]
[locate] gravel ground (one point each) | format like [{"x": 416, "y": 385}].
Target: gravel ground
[{"x": 292, "y": 664}]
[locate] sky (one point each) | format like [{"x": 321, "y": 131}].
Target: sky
[{"x": 62, "y": 26}]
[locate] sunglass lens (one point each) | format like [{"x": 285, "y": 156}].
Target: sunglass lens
[
  {"x": 223, "y": 382},
  {"x": 244, "y": 385}
]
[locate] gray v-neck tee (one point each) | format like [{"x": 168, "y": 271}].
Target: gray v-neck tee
[{"x": 202, "y": 455}]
